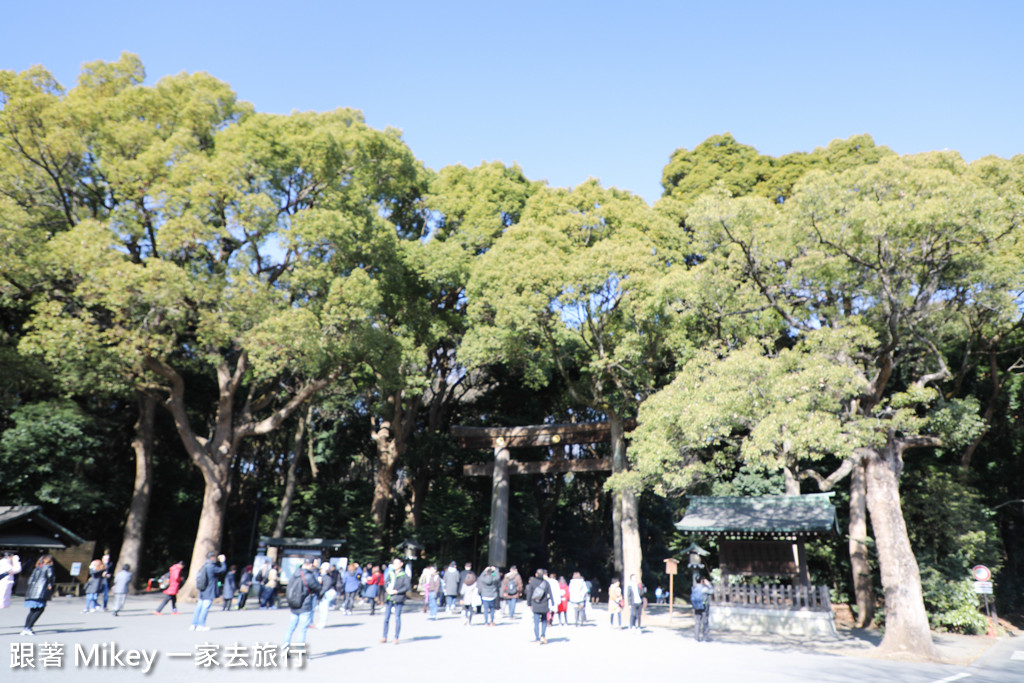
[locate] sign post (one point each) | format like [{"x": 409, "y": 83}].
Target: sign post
[
  {"x": 983, "y": 586},
  {"x": 671, "y": 568}
]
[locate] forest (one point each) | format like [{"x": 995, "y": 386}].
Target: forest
[{"x": 220, "y": 324}]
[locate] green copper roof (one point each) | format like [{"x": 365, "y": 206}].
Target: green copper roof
[{"x": 808, "y": 514}]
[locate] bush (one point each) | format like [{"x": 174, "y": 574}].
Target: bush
[{"x": 952, "y": 605}]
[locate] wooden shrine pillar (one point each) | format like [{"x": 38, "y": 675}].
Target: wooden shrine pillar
[
  {"x": 497, "y": 547},
  {"x": 804, "y": 576}
]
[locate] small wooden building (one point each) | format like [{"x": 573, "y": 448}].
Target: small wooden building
[
  {"x": 766, "y": 536},
  {"x": 762, "y": 535},
  {"x": 25, "y": 530}
]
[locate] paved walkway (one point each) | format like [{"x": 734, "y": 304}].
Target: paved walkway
[{"x": 445, "y": 650}]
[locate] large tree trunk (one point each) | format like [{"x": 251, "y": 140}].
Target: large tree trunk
[
  {"x": 417, "y": 500},
  {"x": 862, "y": 589},
  {"x": 792, "y": 483},
  {"x": 906, "y": 622},
  {"x": 138, "y": 511},
  {"x": 213, "y": 455},
  {"x": 384, "y": 480},
  {"x": 391, "y": 437},
  {"x": 211, "y": 522},
  {"x": 632, "y": 555},
  {"x": 291, "y": 483}
]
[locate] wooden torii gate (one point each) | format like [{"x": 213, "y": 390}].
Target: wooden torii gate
[{"x": 501, "y": 439}]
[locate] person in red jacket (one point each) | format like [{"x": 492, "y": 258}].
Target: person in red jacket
[
  {"x": 563, "y": 601},
  {"x": 374, "y": 586},
  {"x": 174, "y": 581}
]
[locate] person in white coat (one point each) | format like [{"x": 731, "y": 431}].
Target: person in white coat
[
  {"x": 578, "y": 598},
  {"x": 554, "y": 598},
  {"x": 10, "y": 567}
]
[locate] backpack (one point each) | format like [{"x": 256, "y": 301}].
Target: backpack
[
  {"x": 698, "y": 598},
  {"x": 539, "y": 595},
  {"x": 510, "y": 587},
  {"x": 203, "y": 580},
  {"x": 297, "y": 590}
]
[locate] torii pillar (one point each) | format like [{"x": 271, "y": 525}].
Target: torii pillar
[
  {"x": 497, "y": 544},
  {"x": 501, "y": 439}
]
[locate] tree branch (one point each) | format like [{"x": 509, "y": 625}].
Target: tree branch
[
  {"x": 826, "y": 484},
  {"x": 195, "y": 445}
]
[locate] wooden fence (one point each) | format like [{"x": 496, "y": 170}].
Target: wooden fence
[{"x": 773, "y": 597}]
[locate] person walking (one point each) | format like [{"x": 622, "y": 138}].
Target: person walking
[
  {"x": 394, "y": 597},
  {"x": 174, "y": 581},
  {"x": 578, "y": 598},
  {"x": 122, "y": 584},
  {"x": 488, "y": 585},
  {"x": 206, "y": 583},
  {"x": 374, "y": 585},
  {"x": 555, "y": 598},
  {"x": 433, "y": 592},
  {"x": 268, "y": 594},
  {"x": 451, "y": 588},
  {"x": 538, "y": 595},
  {"x": 470, "y": 594},
  {"x": 328, "y": 579},
  {"x": 700, "y": 600},
  {"x": 563, "y": 602},
  {"x": 422, "y": 587},
  {"x": 351, "y": 585},
  {"x": 259, "y": 580},
  {"x": 512, "y": 589},
  {"x": 635, "y": 597},
  {"x": 10, "y": 567},
  {"x": 307, "y": 588},
  {"x": 40, "y": 588},
  {"x": 615, "y": 603},
  {"x": 94, "y": 586},
  {"x": 244, "y": 584},
  {"x": 230, "y": 587},
  {"x": 108, "y": 577}
]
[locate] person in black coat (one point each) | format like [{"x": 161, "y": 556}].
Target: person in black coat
[
  {"x": 397, "y": 586},
  {"x": 328, "y": 592},
  {"x": 40, "y": 588},
  {"x": 108, "y": 577},
  {"x": 244, "y": 584},
  {"x": 538, "y": 593},
  {"x": 230, "y": 587}
]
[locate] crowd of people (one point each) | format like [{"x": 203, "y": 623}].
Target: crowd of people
[{"x": 316, "y": 588}]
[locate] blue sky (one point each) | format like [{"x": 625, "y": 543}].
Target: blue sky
[{"x": 571, "y": 90}]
